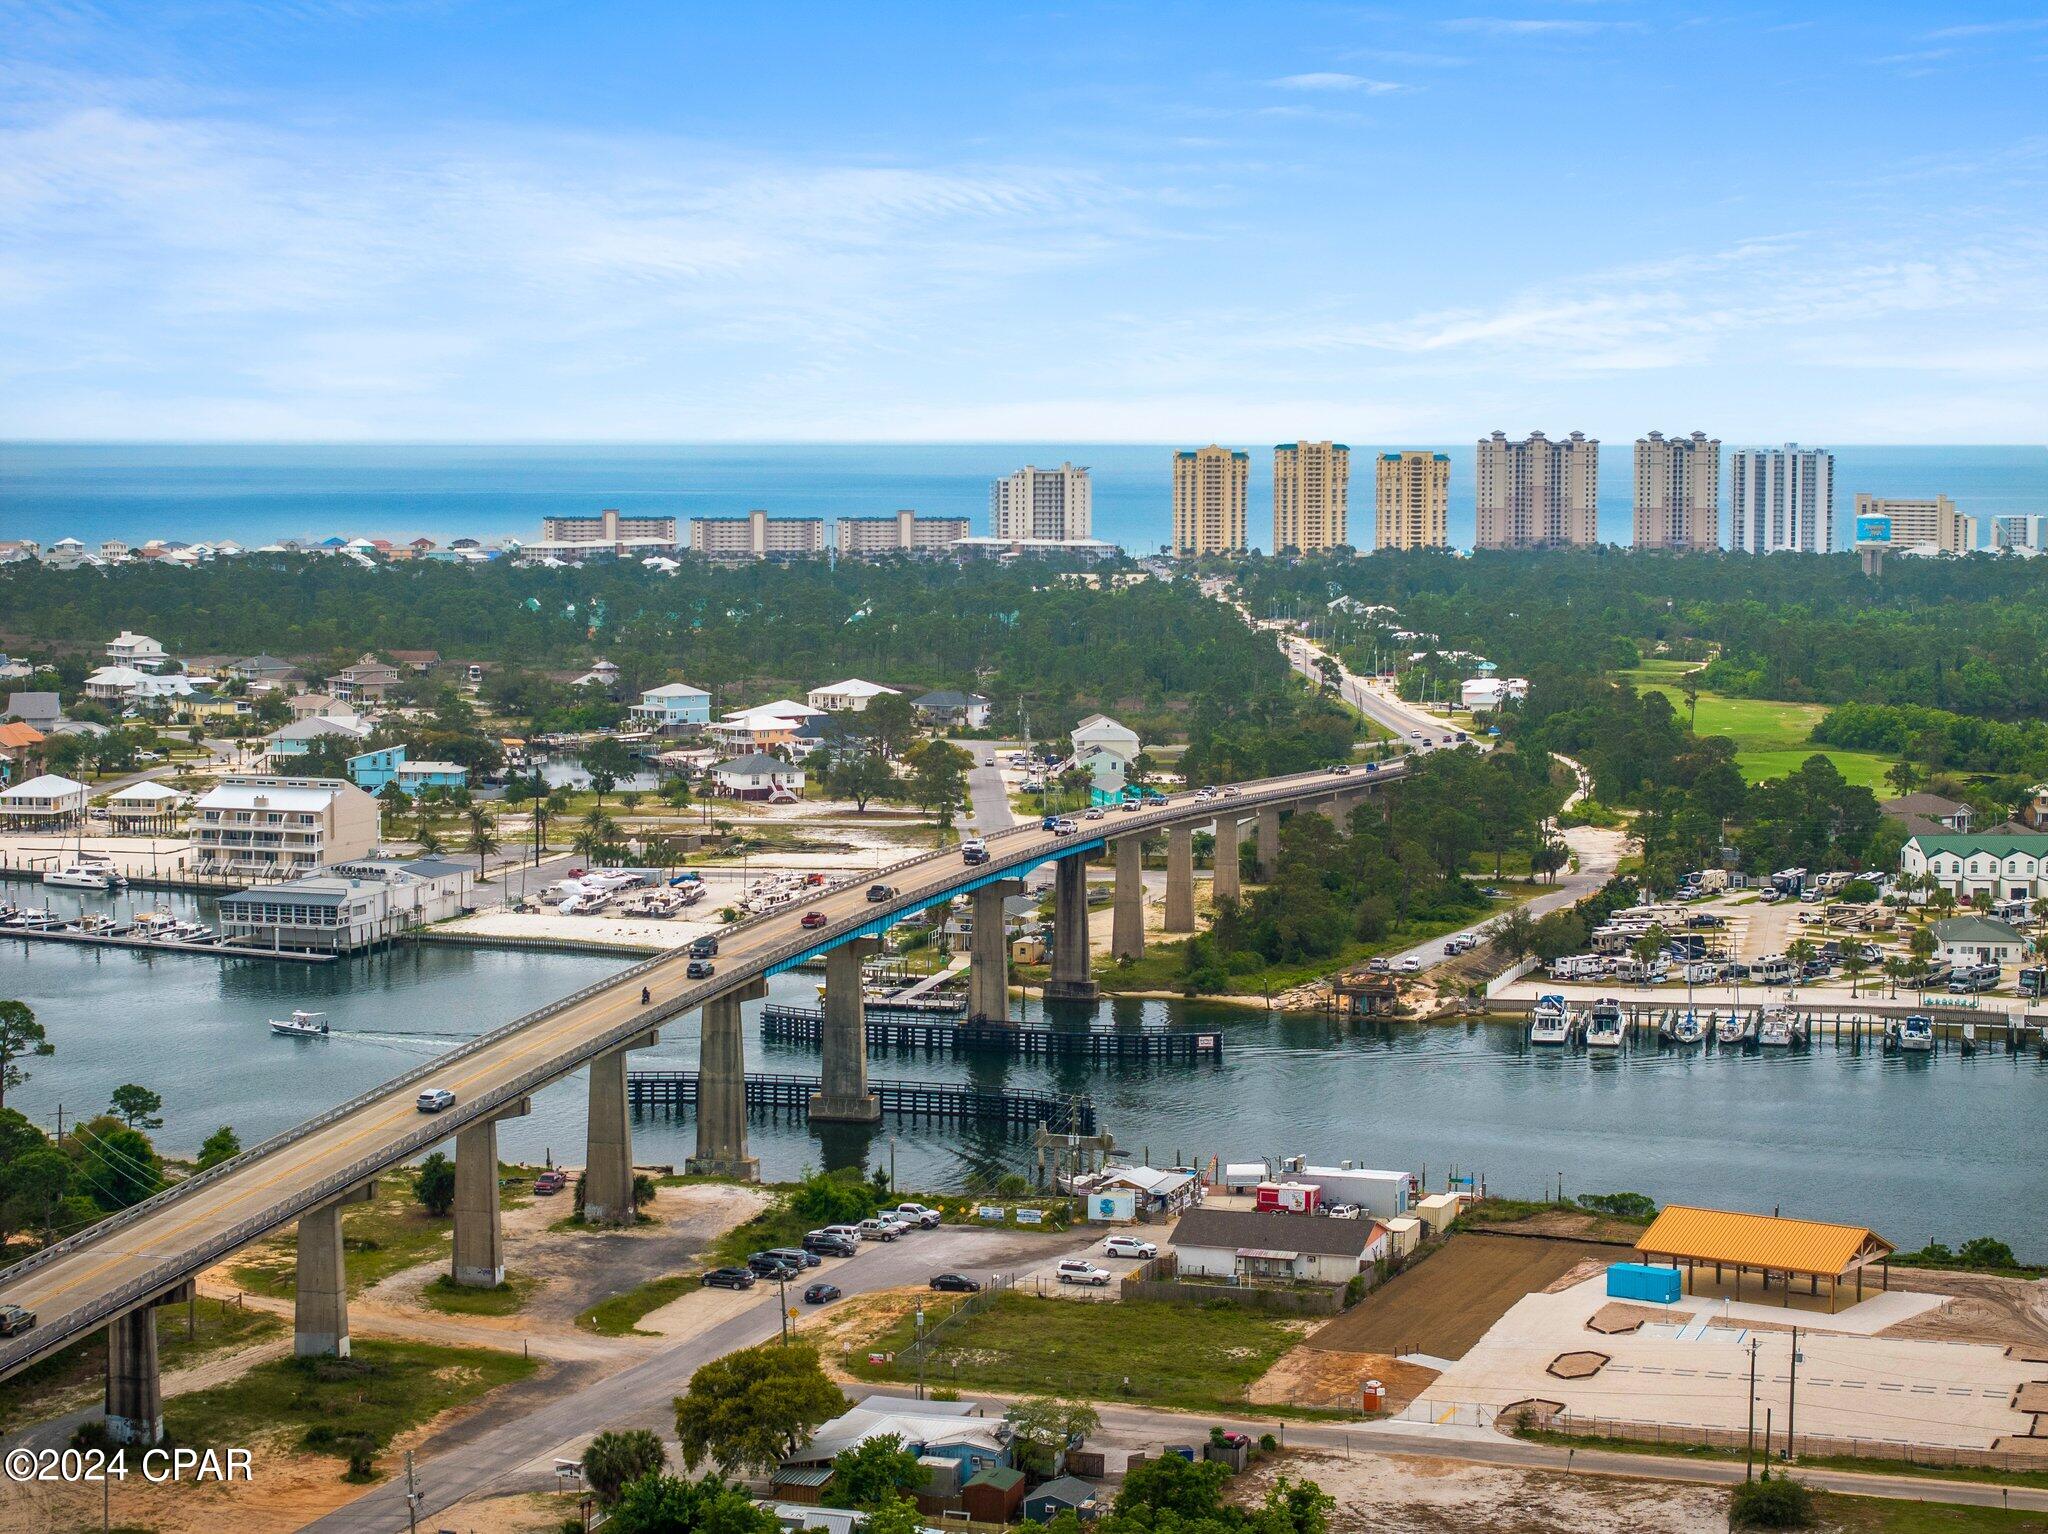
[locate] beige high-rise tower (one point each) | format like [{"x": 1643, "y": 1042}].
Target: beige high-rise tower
[
  {"x": 1537, "y": 494},
  {"x": 1412, "y": 506},
  {"x": 1209, "y": 501},
  {"x": 1678, "y": 492},
  {"x": 1311, "y": 482}
]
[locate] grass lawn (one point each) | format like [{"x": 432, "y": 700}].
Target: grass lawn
[
  {"x": 1771, "y": 738},
  {"x": 619, "y": 1316},
  {"x": 1884, "y": 1515},
  {"x": 1196, "y": 1357},
  {"x": 505, "y": 1299},
  {"x": 379, "y": 1392},
  {"x": 75, "y": 1375}
]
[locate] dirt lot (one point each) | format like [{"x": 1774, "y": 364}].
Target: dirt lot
[
  {"x": 1984, "y": 1308},
  {"x": 1402, "y": 1494},
  {"x": 1446, "y": 1302},
  {"x": 1312, "y": 1376}
]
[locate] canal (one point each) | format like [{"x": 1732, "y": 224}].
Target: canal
[{"x": 1921, "y": 1148}]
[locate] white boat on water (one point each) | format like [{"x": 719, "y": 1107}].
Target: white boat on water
[
  {"x": 1687, "y": 1029},
  {"x": 1916, "y": 1035},
  {"x": 1549, "y": 1023},
  {"x": 301, "y": 1025},
  {"x": 1735, "y": 1028},
  {"x": 82, "y": 876},
  {"x": 1606, "y": 1024},
  {"x": 1775, "y": 1029}
]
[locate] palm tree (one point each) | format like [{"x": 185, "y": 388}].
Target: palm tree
[
  {"x": 1854, "y": 964},
  {"x": 483, "y": 837},
  {"x": 545, "y": 807}
]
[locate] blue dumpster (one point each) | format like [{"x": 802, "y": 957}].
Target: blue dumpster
[{"x": 1640, "y": 1281}]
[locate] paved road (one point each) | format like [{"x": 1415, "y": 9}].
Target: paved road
[
  {"x": 641, "y": 1394},
  {"x": 986, "y": 790},
  {"x": 1382, "y": 708}
]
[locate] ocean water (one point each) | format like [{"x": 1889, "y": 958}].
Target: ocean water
[{"x": 256, "y": 494}]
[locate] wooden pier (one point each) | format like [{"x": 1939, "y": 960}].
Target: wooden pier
[
  {"x": 783, "y": 1024},
  {"x": 162, "y": 945},
  {"x": 1023, "y": 1108}
]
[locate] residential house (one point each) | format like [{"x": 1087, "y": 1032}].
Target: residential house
[
  {"x": 281, "y": 825},
  {"x": 145, "y": 806},
  {"x": 1099, "y": 732},
  {"x": 69, "y": 554},
  {"x": 112, "y": 551},
  {"x": 21, "y": 749},
  {"x": 296, "y": 738},
  {"x": 1158, "y": 1195},
  {"x": 1108, "y": 772},
  {"x": 137, "y": 650},
  {"x": 762, "y": 727},
  {"x": 602, "y": 673},
  {"x": 365, "y": 682},
  {"x": 950, "y": 708},
  {"x": 263, "y": 668},
  {"x": 371, "y": 770},
  {"x": 307, "y": 705},
  {"x": 114, "y": 684},
  {"x": 851, "y": 696},
  {"x": 1929, "y": 814},
  {"x": 954, "y": 1431},
  {"x": 44, "y": 710},
  {"x": 759, "y": 777},
  {"x": 348, "y": 905},
  {"x": 200, "y": 708},
  {"x": 2005, "y": 865},
  {"x": 14, "y": 551},
  {"x": 417, "y": 660},
  {"x": 1062, "y": 1494},
  {"x": 1965, "y": 940},
  {"x": 1248, "y": 1244},
  {"x": 673, "y": 708},
  {"x": 43, "y": 803}
]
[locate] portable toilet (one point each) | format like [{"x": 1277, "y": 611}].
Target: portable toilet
[{"x": 1641, "y": 1281}]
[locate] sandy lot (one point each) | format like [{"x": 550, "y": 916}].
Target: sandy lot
[
  {"x": 1402, "y": 1494},
  {"x": 1312, "y": 1376}
]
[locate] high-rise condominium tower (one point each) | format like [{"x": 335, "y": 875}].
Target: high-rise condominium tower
[
  {"x": 1042, "y": 503},
  {"x": 1538, "y": 494},
  {"x": 1209, "y": 486},
  {"x": 1412, "y": 504},
  {"x": 1781, "y": 498},
  {"x": 1311, "y": 481},
  {"x": 1678, "y": 492}
]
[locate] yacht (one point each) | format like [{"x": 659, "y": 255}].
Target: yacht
[
  {"x": 1735, "y": 1028},
  {"x": 1916, "y": 1035},
  {"x": 302, "y": 1025},
  {"x": 1606, "y": 1024},
  {"x": 1775, "y": 1030},
  {"x": 1686, "y": 1029},
  {"x": 1549, "y": 1023},
  {"x": 82, "y": 876}
]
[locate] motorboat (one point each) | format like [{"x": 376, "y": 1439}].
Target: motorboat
[
  {"x": 159, "y": 923},
  {"x": 1916, "y": 1035},
  {"x": 301, "y": 1025},
  {"x": 1606, "y": 1024},
  {"x": 1550, "y": 1022},
  {"x": 1774, "y": 1031},
  {"x": 1735, "y": 1028},
  {"x": 82, "y": 876}
]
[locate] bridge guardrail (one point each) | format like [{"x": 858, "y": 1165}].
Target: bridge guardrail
[{"x": 444, "y": 1126}]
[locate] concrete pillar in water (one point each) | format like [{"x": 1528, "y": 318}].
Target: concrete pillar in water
[
  {"x": 722, "y": 1090},
  {"x": 843, "y": 1096},
  {"x": 1226, "y": 884},
  {"x": 608, "y": 1139},
  {"x": 1180, "y": 879},
  {"x": 1267, "y": 863},
  {"x": 135, "y": 1396},
  {"x": 320, "y": 1314},
  {"x": 1070, "y": 979},
  {"x": 988, "y": 981},
  {"x": 1127, "y": 913},
  {"x": 478, "y": 1260}
]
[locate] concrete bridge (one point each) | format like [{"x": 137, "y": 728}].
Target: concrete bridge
[{"x": 114, "y": 1274}]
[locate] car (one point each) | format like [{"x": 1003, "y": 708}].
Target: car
[
  {"x": 1129, "y": 1246},
  {"x": 1463, "y": 943},
  {"x": 769, "y": 1266},
  {"x": 1492, "y": 891},
  {"x": 973, "y": 844},
  {"x": 729, "y": 1278},
  {"x": 1231, "y": 791},
  {"x": 988, "y": 761},
  {"x": 1378, "y": 966},
  {"x": 845, "y": 1233},
  {"x": 1341, "y": 769},
  {"x": 955, "y": 1283},
  {"x": 1079, "y": 1270},
  {"x": 814, "y": 919},
  {"x": 699, "y": 969},
  {"x": 922, "y": 1215},
  {"x": 822, "y": 1294},
  {"x": 877, "y": 1230},
  {"x": 14, "y": 1320},
  {"x": 705, "y": 947},
  {"x": 1129, "y": 806},
  {"x": 796, "y": 1256},
  {"x": 825, "y": 1243},
  {"x": 1372, "y": 766},
  {"x": 1094, "y": 813},
  {"x": 1062, "y": 827},
  {"x": 434, "y": 1099},
  {"x": 1408, "y": 966},
  {"x": 550, "y": 1182},
  {"x": 877, "y": 893},
  {"x": 1048, "y": 823},
  {"x": 1447, "y": 740},
  {"x": 974, "y": 854},
  {"x": 1154, "y": 798},
  {"x": 1416, "y": 735}
]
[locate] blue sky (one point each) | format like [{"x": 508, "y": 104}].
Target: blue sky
[{"x": 345, "y": 219}]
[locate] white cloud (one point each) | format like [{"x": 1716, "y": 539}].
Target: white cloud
[{"x": 1334, "y": 80}]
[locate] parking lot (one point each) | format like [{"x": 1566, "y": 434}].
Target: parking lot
[{"x": 1043, "y": 1278}]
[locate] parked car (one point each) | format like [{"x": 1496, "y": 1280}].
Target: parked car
[
  {"x": 1378, "y": 966},
  {"x": 14, "y": 1320},
  {"x": 826, "y": 1243},
  {"x": 956, "y": 1283},
  {"x": 1408, "y": 966},
  {"x": 877, "y": 1230},
  {"x": 705, "y": 947},
  {"x": 795, "y": 1256},
  {"x": 822, "y": 1294},
  {"x": 1464, "y": 942},
  {"x": 434, "y": 1099},
  {"x": 729, "y": 1278},
  {"x": 550, "y": 1182},
  {"x": 922, "y": 1215},
  {"x": 813, "y": 920},
  {"x": 1079, "y": 1270},
  {"x": 877, "y": 893},
  {"x": 768, "y": 1265},
  {"x": 699, "y": 969},
  {"x": 1129, "y": 1246}
]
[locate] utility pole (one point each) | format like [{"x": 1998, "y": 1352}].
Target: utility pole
[
  {"x": 782, "y": 1305},
  {"x": 1792, "y": 1395},
  {"x": 1749, "y": 1450},
  {"x": 920, "y": 1352},
  {"x": 412, "y": 1496}
]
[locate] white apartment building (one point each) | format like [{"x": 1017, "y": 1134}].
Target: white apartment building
[
  {"x": 137, "y": 650},
  {"x": 1928, "y": 524},
  {"x": 2017, "y": 534},
  {"x": 904, "y": 533},
  {"x": 1311, "y": 496},
  {"x": 1053, "y": 505},
  {"x": 1781, "y": 499},
  {"x": 1678, "y": 492},
  {"x": 608, "y": 532},
  {"x": 278, "y": 825},
  {"x": 757, "y": 536},
  {"x": 1210, "y": 501},
  {"x": 1536, "y": 493}
]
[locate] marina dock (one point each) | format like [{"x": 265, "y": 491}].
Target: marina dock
[
  {"x": 676, "y": 1092},
  {"x": 782, "y": 1024},
  {"x": 117, "y": 939},
  {"x": 1847, "y": 1026}
]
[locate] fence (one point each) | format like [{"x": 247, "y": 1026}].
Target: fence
[{"x": 920, "y": 1350}]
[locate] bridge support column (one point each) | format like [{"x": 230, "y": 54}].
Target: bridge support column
[
  {"x": 1226, "y": 883},
  {"x": 843, "y": 1098},
  {"x": 135, "y": 1397},
  {"x": 1070, "y": 980},
  {"x": 1267, "y": 864},
  {"x": 1180, "y": 879},
  {"x": 1127, "y": 913},
  {"x": 608, "y": 1139},
  {"x": 988, "y": 978},
  {"x": 722, "y": 1091},
  {"x": 320, "y": 1313},
  {"x": 479, "y": 1256}
]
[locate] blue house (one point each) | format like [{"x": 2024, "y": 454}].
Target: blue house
[
  {"x": 673, "y": 708},
  {"x": 373, "y": 769}
]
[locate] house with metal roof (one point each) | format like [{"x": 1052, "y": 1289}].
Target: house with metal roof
[
  {"x": 43, "y": 803},
  {"x": 2007, "y": 865},
  {"x": 851, "y": 696},
  {"x": 1252, "y": 1244},
  {"x": 953, "y": 1430},
  {"x": 951, "y": 707},
  {"x": 44, "y": 710},
  {"x": 348, "y": 906},
  {"x": 1963, "y": 940},
  {"x": 759, "y": 776},
  {"x": 673, "y": 708},
  {"x": 1770, "y": 1246}
]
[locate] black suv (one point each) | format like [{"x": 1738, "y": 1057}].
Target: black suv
[
  {"x": 768, "y": 1265},
  {"x": 704, "y": 948},
  {"x": 822, "y": 1243},
  {"x": 699, "y": 969},
  {"x": 729, "y": 1278}
]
